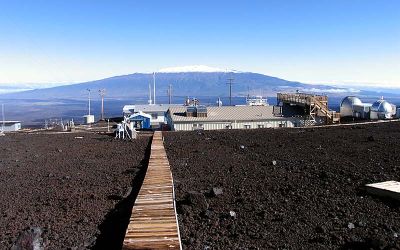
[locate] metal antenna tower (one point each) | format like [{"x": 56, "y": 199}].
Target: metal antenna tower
[
  {"x": 102, "y": 93},
  {"x": 150, "y": 99},
  {"x": 169, "y": 92},
  {"x": 89, "y": 100},
  {"x": 154, "y": 87},
  {"x": 230, "y": 83}
]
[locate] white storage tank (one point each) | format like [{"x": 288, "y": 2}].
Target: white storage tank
[
  {"x": 381, "y": 109},
  {"x": 346, "y": 106},
  {"x": 88, "y": 119}
]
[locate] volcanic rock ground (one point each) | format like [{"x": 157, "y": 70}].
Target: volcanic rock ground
[
  {"x": 78, "y": 192},
  {"x": 286, "y": 188}
]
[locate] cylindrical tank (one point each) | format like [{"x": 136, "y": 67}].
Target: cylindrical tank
[{"x": 346, "y": 106}]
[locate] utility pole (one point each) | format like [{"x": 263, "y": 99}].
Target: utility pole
[
  {"x": 102, "y": 93},
  {"x": 230, "y": 82},
  {"x": 169, "y": 92},
  {"x": 89, "y": 100}
]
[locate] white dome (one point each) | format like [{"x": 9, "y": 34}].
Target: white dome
[
  {"x": 381, "y": 106},
  {"x": 346, "y": 106}
]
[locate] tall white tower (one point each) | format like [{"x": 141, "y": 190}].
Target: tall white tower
[{"x": 154, "y": 87}]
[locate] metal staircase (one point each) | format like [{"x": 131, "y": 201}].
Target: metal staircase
[{"x": 315, "y": 105}]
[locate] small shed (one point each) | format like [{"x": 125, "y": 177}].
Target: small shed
[
  {"x": 156, "y": 111},
  {"x": 141, "y": 120},
  {"x": 10, "y": 126}
]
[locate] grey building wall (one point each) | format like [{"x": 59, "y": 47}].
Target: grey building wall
[{"x": 188, "y": 126}]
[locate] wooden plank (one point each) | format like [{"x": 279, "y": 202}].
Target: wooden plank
[
  {"x": 153, "y": 223},
  {"x": 386, "y": 189}
]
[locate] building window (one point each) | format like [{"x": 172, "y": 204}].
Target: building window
[
  {"x": 247, "y": 126},
  {"x": 260, "y": 125},
  {"x": 154, "y": 116}
]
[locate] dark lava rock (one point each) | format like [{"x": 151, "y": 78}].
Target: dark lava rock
[
  {"x": 66, "y": 193},
  {"x": 313, "y": 194},
  {"x": 127, "y": 192},
  {"x": 217, "y": 191},
  {"x": 207, "y": 214},
  {"x": 197, "y": 200},
  {"x": 90, "y": 242},
  {"x": 29, "y": 239}
]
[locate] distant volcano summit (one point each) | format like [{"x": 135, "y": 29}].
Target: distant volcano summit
[{"x": 197, "y": 80}]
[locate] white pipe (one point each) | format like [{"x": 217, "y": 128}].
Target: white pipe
[{"x": 150, "y": 101}]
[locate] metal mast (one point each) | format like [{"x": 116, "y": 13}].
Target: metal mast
[
  {"x": 150, "y": 101},
  {"x": 169, "y": 91},
  {"x": 89, "y": 100},
  {"x": 154, "y": 87},
  {"x": 230, "y": 82},
  {"x": 102, "y": 93}
]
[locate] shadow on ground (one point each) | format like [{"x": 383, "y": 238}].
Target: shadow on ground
[{"x": 113, "y": 228}]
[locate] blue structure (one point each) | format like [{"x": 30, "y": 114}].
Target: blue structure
[{"x": 141, "y": 120}]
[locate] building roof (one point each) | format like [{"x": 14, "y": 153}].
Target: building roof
[
  {"x": 139, "y": 114},
  {"x": 9, "y": 122},
  {"x": 149, "y": 107},
  {"x": 226, "y": 113}
]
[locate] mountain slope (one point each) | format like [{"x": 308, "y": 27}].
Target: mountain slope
[{"x": 183, "y": 83}]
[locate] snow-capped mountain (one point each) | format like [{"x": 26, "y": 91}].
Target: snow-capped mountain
[
  {"x": 195, "y": 81},
  {"x": 194, "y": 68}
]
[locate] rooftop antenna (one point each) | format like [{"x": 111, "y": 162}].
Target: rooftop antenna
[
  {"x": 154, "y": 87},
  {"x": 230, "y": 82},
  {"x": 169, "y": 91},
  {"x": 102, "y": 93},
  {"x": 89, "y": 100},
  {"x": 219, "y": 102}
]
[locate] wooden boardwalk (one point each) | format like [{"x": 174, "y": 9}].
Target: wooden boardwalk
[
  {"x": 153, "y": 223},
  {"x": 387, "y": 188}
]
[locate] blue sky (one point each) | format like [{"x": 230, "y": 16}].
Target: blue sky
[{"x": 321, "y": 41}]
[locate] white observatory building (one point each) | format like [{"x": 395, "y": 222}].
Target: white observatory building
[
  {"x": 352, "y": 106},
  {"x": 382, "y": 109}
]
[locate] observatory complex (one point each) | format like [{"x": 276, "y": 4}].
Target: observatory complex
[
  {"x": 291, "y": 110},
  {"x": 353, "y": 107}
]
